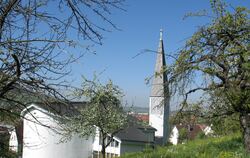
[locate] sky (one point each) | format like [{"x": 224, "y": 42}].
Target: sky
[{"x": 139, "y": 28}]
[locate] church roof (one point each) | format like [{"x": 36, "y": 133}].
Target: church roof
[
  {"x": 159, "y": 76},
  {"x": 58, "y": 108}
]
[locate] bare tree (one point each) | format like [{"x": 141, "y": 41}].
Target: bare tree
[
  {"x": 35, "y": 35},
  {"x": 34, "y": 39}
]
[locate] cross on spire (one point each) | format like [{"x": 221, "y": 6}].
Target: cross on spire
[{"x": 161, "y": 32}]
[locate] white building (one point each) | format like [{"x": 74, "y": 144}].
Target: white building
[
  {"x": 159, "y": 98},
  {"x": 42, "y": 138},
  {"x": 41, "y": 132},
  {"x": 132, "y": 139},
  {"x": 192, "y": 131}
]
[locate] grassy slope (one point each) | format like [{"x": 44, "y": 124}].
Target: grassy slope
[{"x": 221, "y": 147}]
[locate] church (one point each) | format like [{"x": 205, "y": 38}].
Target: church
[
  {"x": 159, "y": 100},
  {"x": 42, "y": 139}
]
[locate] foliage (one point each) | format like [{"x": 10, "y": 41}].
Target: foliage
[
  {"x": 219, "y": 52},
  {"x": 7, "y": 154},
  {"x": 226, "y": 125},
  {"x": 183, "y": 135},
  {"x": 103, "y": 110},
  {"x": 189, "y": 115},
  {"x": 221, "y": 147},
  {"x": 201, "y": 135},
  {"x": 4, "y": 146},
  {"x": 218, "y": 56}
]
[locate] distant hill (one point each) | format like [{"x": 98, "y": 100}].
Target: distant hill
[{"x": 137, "y": 109}]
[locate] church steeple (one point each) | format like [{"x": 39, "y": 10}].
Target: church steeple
[
  {"x": 159, "y": 74},
  {"x": 159, "y": 97}
]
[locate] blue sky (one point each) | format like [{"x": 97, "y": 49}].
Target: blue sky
[{"x": 140, "y": 25}]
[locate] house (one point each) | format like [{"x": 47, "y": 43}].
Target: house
[
  {"x": 42, "y": 135},
  {"x": 131, "y": 139},
  {"x": 192, "y": 131}
]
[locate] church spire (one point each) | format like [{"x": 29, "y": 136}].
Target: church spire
[
  {"x": 159, "y": 76},
  {"x": 159, "y": 97}
]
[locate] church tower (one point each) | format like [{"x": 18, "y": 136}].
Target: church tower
[{"x": 159, "y": 98}]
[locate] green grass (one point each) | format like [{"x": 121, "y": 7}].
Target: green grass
[{"x": 220, "y": 147}]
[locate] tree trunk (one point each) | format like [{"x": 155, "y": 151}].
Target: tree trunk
[
  {"x": 245, "y": 124},
  {"x": 19, "y": 134},
  {"x": 103, "y": 148}
]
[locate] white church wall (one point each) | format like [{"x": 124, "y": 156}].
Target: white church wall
[
  {"x": 157, "y": 123},
  {"x": 156, "y": 115},
  {"x": 42, "y": 142}
]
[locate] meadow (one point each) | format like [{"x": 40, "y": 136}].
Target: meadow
[{"x": 216, "y": 147}]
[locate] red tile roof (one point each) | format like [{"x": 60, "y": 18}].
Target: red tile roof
[
  {"x": 193, "y": 130},
  {"x": 142, "y": 117}
]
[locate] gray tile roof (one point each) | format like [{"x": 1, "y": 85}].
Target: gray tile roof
[
  {"x": 61, "y": 108},
  {"x": 132, "y": 134},
  {"x": 159, "y": 77},
  {"x": 135, "y": 131}
]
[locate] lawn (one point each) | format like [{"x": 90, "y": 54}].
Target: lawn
[{"x": 220, "y": 147}]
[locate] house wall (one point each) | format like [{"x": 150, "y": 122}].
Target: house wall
[
  {"x": 127, "y": 147},
  {"x": 150, "y": 135},
  {"x": 42, "y": 142},
  {"x": 208, "y": 130},
  {"x": 110, "y": 149},
  {"x": 174, "y": 136}
]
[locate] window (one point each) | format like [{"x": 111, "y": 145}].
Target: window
[
  {"x": 112, "y": 144},
  {"x": 116, "y": 144}
]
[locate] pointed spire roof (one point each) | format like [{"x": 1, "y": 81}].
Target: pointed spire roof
[{"x": 159, "y": 77}]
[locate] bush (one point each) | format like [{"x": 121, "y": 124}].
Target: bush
[
  {"x": 201, "y": 135},
  {"x": 183, "y": 135}
]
